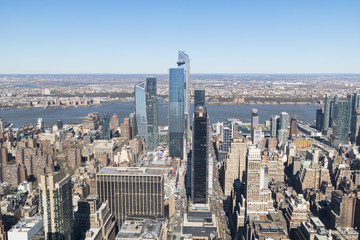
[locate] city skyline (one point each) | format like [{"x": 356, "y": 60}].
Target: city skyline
[{"x": 117, "y": 37}]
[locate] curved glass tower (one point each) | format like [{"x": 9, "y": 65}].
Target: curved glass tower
[{"x": 179, "y": 106}]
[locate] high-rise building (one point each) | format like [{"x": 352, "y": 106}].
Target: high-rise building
[
  {"x": 126, "y": 129},
  {"x": 293, "y": 127},
  {"x": 341, "y": 122},
  {"x": 94, "y": 218},
  {"x": 258, "y": 197},
  {"x": 59, "y": 124},
  {"x": 105, "y": 130},
  {"x": 254, "y": 118},
  {"x": 179, "y": 122},
  {"x": 327, "y": 106},
  {"x": 199, "y": 161},
  {"x": 355, "y": 102},
  {"x": 235, "y": 164},
  {"x": 274, "y": 127},
  {"x": 56, "y": 205},
  {"x": 40, "y": 123},
  {"x": 283, "y": 128},
  {"x": 114, "y": 122},
  {"x": 176, "y": 112},
  {"x": 199, "y": 97},
  {"x": 319, "y": 119},
  {"x": 132, "y": 191},
  {"x": 355, "y": 128},
  {"x": 226, "y": 137},
  {"x": 147, "y": 112}
]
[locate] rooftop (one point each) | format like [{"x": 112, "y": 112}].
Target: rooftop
[{"x": 131, "y": 171}]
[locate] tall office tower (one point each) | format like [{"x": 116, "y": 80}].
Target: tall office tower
[
  {"x": 179, "y": 79},
  {"x": 327, "y": 107},
  {"x": 355, "y": 102},
  {"x": 355, "y": 128},
  {"x": 133, "y": 125},
  {"x": 199, "y": 161},
  {"x": 184, "y": 63},
  {"x": 95, "y": 218},
  {"x": 258, "y": 198},
  {"x": 105, "y": 130},
  {"x": 274, "y": 125},
  {"x": 147, "y": 112},
  {"x": 114, "y": 122},
  {"x": 235, "y": 164},
  {"x": 132, "y": 191},
  {"x": 56, "y": 205},
  {"x": 40, "y": 123},
  {"x": 283, "y": 130},
  {"x": 256, "y": 135},
  {"x": 59, "y": 124},
  {"x": 341, "y": 123},
  {"x": 254, "y": 118},
  {"x": 293, "y": 127},
  {"x": 226, "y": 137},
  {"x": 126, "y": 129},
  {"x": 176, "y": 112},
  {"x": 152, "y": 114},
  {"x": 319, "y": 119},
  {"x": 199, "y": 97}
]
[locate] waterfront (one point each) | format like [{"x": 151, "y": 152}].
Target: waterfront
[{"x": 217, "y": 113}]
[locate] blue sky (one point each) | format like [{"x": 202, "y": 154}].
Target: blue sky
[{"x": 243, "y": 36}]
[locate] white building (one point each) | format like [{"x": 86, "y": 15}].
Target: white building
[{"x": 26, "y": 228}]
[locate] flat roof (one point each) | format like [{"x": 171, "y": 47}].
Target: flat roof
[{"x": 126, "y": 171}]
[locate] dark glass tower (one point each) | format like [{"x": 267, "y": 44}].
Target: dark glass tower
[
  {"x": 147, "y": 112},
  {"x": 199, "y": 161},
  {"x": 341, "y": 122},
  {"x": 176, "y": 112},
  {"x": 105, "y": 130},
  {"x": 199, "y": 97}
]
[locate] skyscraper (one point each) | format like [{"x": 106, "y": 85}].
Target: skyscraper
[
  {"x": 147, "y": 112},
  {"x": 105, "y": 130},
  {"x": 56, "y": 206},
  {"x": 274, "y": 125},
  {"x": 341, "y": 122},
  {"x": 283, "y": 128},
  {"x": 327, "y": 107},
  {"x": 293, "y": 127},
  {"x": 179, "y": 79},
  {"x": 132, "y": 191},
  {"x": 199, "y": 161},
  {"x": 254, "y": 118},
  {"x": 199, "y": 97},
  {"x": 258, "y": 197},
  {"x": 176, "y": 112},
  {"x": 355, "y": 128}
]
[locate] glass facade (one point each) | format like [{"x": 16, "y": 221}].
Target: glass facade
[
  {"x": 176, "y": 112},
  {"x": 199, "y": 97},
  {"x": 140, "y": 110},
  {"x": 147, "y": 112},
  {"x": 341, "y": 123},
  {"x": 199, "y": 163},
  {"x": 105, "y": 130}
]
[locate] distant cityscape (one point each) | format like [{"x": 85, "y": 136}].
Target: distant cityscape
[{"x": 117, "y": 177}]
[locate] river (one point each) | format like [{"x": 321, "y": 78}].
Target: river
[{"x": 217, "y": 113}]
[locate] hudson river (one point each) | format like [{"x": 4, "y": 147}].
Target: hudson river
[{"x": 217, "y": 113}]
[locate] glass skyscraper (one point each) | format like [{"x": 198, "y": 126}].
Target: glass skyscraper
[
  {"x": 146, "y": 111},
  {"x": 341, "y": 122},
  {"x": 199, "y": 97},
  {"x": 176, "y": 112},
  {"x": 105, "y": 130},
  {"x": 199, "y": 163}
]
